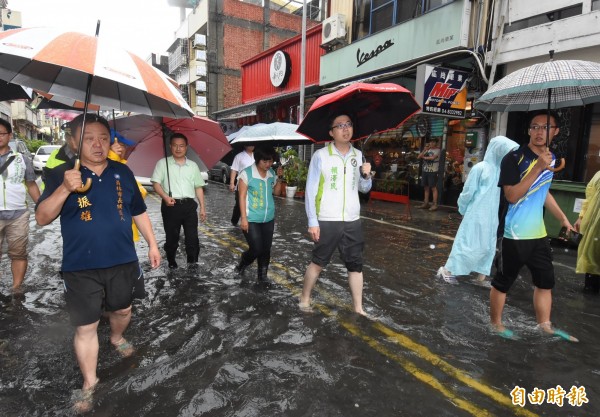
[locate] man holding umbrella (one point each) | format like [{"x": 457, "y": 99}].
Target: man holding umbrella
[
  {"x": 177, "y": 180},
  {"x": 333, "y": 208},
  {"x": 525, "y": 178},
  {"x": 100, "y": 263}
]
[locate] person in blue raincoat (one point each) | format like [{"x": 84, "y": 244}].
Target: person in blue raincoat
[{"x": 475, "y": 242}]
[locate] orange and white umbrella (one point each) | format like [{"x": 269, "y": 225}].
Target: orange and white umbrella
[{"x": 59, "y": 62}]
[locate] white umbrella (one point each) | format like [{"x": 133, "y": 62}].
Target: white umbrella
[
  {"x": 274, "y": 134},
  {"x": 234, "y": 135}
]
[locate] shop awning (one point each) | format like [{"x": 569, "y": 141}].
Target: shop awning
[{"x": 250, "y": 109}]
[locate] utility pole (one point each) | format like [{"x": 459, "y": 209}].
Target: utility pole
[{"x": 302, "y": 74}]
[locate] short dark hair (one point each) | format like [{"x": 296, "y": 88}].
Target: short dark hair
[
  {"x": 338, "y": 114},
  {"x": 264, "y": 153},
  {"x": 6, "y": 124},
  {"x": 552, "y": 113},
  {"x": 178, "y": 136},
  {"x": 89, "y": 118}
]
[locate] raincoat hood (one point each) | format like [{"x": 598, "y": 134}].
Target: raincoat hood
[{"x": 496, "y": 150}]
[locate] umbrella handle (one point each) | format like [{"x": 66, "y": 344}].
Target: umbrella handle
[
  {"x": 560, "y": 167},
  {"x": 88, "y": 182}
]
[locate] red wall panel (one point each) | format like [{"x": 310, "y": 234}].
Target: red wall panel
[{"x": 256, "y": 84}]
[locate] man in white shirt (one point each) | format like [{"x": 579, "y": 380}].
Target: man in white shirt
[
  {"x": 333, "y": 209},
  {"x": 241, "y": 161}
]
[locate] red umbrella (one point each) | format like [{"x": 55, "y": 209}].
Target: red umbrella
[
  {"x": 373, "y": 108},
  {"x": 205, "y": 137}
]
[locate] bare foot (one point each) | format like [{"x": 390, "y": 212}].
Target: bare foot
[
  {"x": 83, "y": 399},
  {"x": 305, "y": 307}
]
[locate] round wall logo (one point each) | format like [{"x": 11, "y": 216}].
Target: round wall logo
[{"x": 280, "y": 69}]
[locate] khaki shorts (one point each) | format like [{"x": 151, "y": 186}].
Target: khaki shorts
[{"x": 16, "y": 234}]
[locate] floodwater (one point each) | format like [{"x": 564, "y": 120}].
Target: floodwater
[{"x": 208, "y": 347}]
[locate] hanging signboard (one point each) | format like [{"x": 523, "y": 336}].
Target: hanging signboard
[{"x": 442, "y": 91}]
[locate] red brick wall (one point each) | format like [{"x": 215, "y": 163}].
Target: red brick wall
[
  {"x": 242, "y": 43},
  {"x": 232, "y": 91}
]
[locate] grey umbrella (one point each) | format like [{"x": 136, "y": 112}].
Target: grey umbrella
[
  {"x": 549, "y": 85},
  {"x": 560, "y": 83}
]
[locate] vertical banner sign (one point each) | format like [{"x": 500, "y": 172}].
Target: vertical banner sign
[{"x": 442, "y": 91}]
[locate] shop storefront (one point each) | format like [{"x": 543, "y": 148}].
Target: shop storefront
[
  {"x": 393, "y": 55},
  {"x": 398, "y": 171}
]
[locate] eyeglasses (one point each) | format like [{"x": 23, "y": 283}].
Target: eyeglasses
[
  {"x": 179, "y": 146},
  {"x": 342, "y": 125},
  {"x": 536, "y": 128}
]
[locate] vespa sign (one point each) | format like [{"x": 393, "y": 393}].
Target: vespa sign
[
  {"x": 281, "y": 69},
  {"x": 442, "y": 91}
]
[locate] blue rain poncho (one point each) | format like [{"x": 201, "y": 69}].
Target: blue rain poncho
[
  {"x": 475, "y": 242},
  {"x": 588, "y": 253}
]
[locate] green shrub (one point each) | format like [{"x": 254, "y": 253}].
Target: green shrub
[{"x": 34, "y": 144}]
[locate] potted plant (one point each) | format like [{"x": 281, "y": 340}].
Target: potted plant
[{"x": 294, "y": 172}]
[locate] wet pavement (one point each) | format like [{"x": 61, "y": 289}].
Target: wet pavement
[{"x": 208, "y": 346}]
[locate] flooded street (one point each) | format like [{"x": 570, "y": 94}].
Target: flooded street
[{"x": 207, "y": 346}]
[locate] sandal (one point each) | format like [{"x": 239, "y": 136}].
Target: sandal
[
  {"x": 505, "y": 333},
  {"x": 547, "y": 328},
  {"x": 124, "y": 348},
  {"x": 83, "y": 399}
]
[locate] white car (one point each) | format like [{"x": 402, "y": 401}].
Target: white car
[{"x": 41, "y": 156}]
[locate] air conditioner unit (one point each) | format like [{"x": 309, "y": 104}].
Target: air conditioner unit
[
  {"x": 201, "y": 70},
  {"x": 200, "y": 55},
  {"x": 334, "y": 30},
  {"x": 199, "y": 41},
  {"x": 200, "y": 87}
]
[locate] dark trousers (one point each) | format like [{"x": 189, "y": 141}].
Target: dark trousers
[
  {"x": 235, "y": 216},
  {"x": 183, "y": 213},
  {"x": 260, "y": 239}
]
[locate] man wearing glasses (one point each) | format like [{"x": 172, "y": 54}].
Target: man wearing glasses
[
  {"x": 179, "y": 184},
  {"x": 17, "y": 178},
  {"x": 525, "y": 180},
  {"x": 333, "y": 209}
]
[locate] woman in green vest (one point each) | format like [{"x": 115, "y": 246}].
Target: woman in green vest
[{"x": 257, "y": 185}]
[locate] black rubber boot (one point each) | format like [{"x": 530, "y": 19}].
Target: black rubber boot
[
  {"x": 171, "y": 261},
  {"x": 262, "y": 281},
  {"x": 241, "y": 268},
  {"x": 592, "y": 284}
]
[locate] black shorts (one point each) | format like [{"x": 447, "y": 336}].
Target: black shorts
[
  {"x": 347, "y": 237},
  {"x": 534, "y": 253},
  {"x": 88, "y": 293},
  {"x": 429, "y": 179}
]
